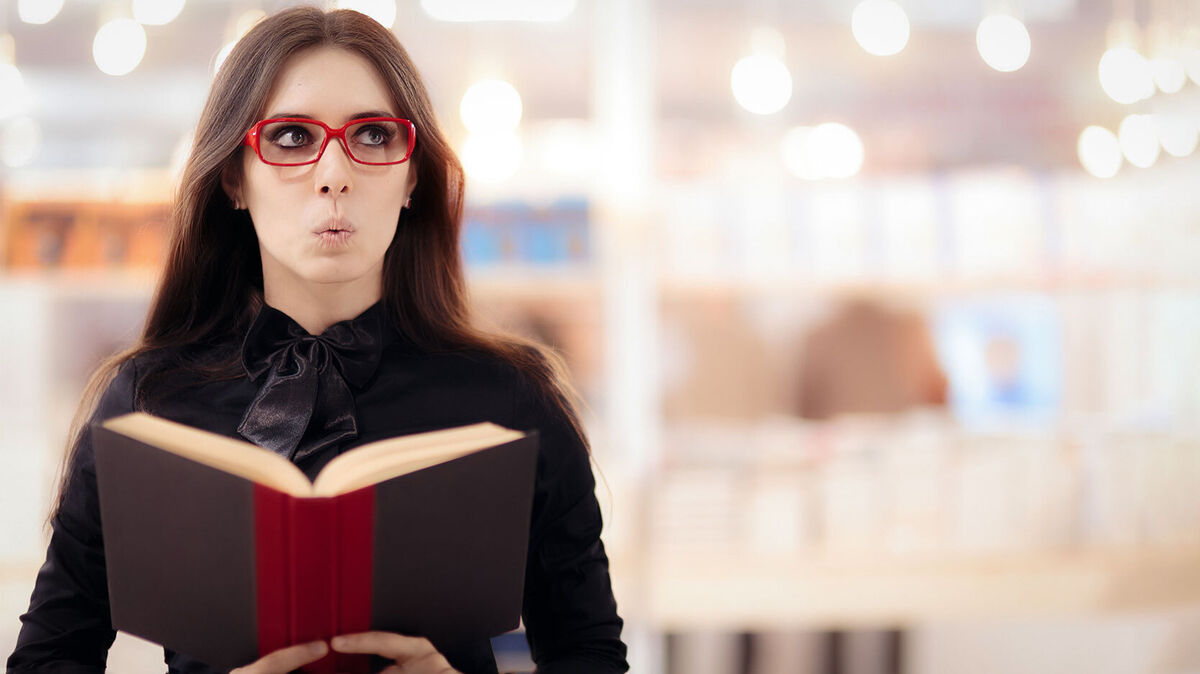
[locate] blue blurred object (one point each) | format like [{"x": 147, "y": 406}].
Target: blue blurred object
[
  {"x": 1003, "y": 358},
  {"x": 518, "y": 233},
  {"x": 512, "y": 652},
  {"x": 482, "y": 243}
]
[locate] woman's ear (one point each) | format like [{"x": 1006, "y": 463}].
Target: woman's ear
[
  {"x": 410, "y": 184},
  {"x": 231, "y": 183}
]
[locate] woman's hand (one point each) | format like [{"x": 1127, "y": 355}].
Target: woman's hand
[
  {"x": 285, "y": 660},
  {"x": 412, "y": 655}
]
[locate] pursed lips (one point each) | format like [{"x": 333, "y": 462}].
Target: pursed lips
[{"x": 334, "y": 225}]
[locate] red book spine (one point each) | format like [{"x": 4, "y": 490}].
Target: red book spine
[
  {"x": 312, "y": 551},
  {"x": 355, "y": 531},
  {"x": 314, "y": 572},
  {"x": 272, "y": 584}
]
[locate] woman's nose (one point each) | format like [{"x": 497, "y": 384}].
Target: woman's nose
[{"x": 334, "y": 169}]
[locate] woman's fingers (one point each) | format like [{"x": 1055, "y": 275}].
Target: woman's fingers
[
  {"x": 285, "y": 660},
  {"x": 412, "y": 654},
  {"x": 396, "y": 646}
]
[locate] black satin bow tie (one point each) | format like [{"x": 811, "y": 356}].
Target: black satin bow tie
[{"x": 304, "y": 403}]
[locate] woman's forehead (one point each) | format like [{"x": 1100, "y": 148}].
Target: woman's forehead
[{"x": 329, "y": 84}]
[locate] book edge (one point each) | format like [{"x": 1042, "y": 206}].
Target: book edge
[
  {"x": 214, "y": 450},
  {"x": 390, "y": 458}
]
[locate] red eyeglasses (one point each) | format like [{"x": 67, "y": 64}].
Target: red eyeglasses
[{"x": 291, "y": 141}]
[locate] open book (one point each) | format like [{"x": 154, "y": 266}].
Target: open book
[{"x": 225, "y": 551}]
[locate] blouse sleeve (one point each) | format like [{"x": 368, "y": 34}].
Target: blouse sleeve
[
  {"x": 67, "y": 627},
  {"x": 570, "y": 614}
]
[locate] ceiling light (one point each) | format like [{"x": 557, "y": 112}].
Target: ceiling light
[
  {"x": 880, "y": 27},
  {"x": 491, "y": 106},
  {"x": 38, "y": 11},
  {"x": 761, "y": 84},
  {"x": 1169, "y": 74},
  {"x": 1003, "y": 42},
  {"x": 1125, "y": 75},
  {"x": 1139, "y": 140},
  {"x": 156, "y": 12},
  {"x": 1176, "y": 133},
  {"x": 838, "y": 149},
  {"x": 1099, "y": 152}
]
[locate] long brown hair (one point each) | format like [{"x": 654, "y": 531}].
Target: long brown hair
[{"x": 211, "y": 285}]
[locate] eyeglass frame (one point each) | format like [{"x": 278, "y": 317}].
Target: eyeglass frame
[{"x": 252, "y": 139}]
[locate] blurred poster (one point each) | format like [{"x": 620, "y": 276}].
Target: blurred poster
[{"x": 1003, "y": 358}]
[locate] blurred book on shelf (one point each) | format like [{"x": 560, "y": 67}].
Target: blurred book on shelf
[
  {"x": 918, "y": 486},
  {"x": 83, "y": 235},
  {"x": 512, "y": 233}
]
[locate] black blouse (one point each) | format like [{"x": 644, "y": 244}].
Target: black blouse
[{"x": 357, "y": 382}]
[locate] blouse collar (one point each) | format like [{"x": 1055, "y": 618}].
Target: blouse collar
[{"x": 304, "y": 403}]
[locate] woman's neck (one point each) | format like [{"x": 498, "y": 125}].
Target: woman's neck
[{"x": 317, "y": 306}]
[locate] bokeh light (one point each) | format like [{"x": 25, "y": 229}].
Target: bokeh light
[
  {"x": 1100, "y": 152},
  {"x": 491, "y": 106},
  {"x": 1139, "y": 140},
  {"x": 1177, "y": 133},
  {"x": 38, "y": 11},
  {"x": 1169, "y": 74},
  {"x": 119, "y": 46},
  {"x": 156, "y": 12},
  {"x": 222, "y": 55},
  {"x": 1190, "y": 57},
  {"x": 1003, "y": 42},
  {"x": 242, "y": 25},
  {"x": 14, "y": 96},
  {"x": 880, "y": 27},
  {"x": 1125, "y": 75},
  {"x": 761, "y": 84},
  {"x": 838, "y": 148}
]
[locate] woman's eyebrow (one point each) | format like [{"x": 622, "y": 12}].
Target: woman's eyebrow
[{"x": 357, "y": 115}]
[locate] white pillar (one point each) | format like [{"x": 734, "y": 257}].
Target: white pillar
[
  {"x": 623, "y": 115},
  {"x": 624, "y": 118}
]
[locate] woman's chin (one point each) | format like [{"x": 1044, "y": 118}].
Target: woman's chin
[
  {"x": 332, "y": 274},
  {"x": 322, "y": 270}
]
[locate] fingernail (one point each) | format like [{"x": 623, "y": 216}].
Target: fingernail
[{"x": 317, "y": 647}]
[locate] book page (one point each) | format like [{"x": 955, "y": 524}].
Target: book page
[
  {"x": 233, "y": 456},
  {"x": 385, "y": 459}
]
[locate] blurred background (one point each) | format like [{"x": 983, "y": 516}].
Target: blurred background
[{"x": 886, "y": 313}]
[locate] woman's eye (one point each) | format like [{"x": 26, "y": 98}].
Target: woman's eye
[
  {"x": 292, "y": 136},
  {"x": 373, "y": 135}
]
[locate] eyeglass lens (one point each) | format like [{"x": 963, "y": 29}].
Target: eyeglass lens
[{"x": 298, "y": 142}]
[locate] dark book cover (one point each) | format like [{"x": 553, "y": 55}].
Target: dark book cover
[{"x": 224, "y": 570}]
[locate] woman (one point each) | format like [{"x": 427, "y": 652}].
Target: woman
[{"x": 313, "y": 300}]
